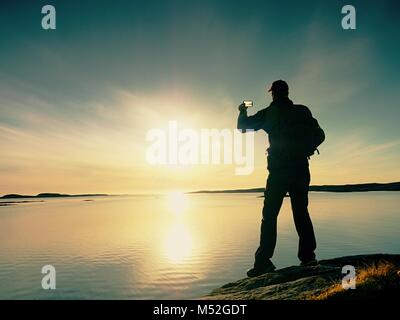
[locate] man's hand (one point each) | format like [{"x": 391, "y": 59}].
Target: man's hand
[{"x": 242, "y": 107}]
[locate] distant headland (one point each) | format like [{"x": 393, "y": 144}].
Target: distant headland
[
  {"x": 364, "y": 187},
  {"x": 51, "y": 195}
]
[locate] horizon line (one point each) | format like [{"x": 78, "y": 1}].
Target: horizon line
[{"x": 255, "y": 189}]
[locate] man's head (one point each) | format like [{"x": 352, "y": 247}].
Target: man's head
[{"x": 279, "y": 89}]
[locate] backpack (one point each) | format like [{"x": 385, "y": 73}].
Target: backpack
[
  {"x": 314, "y": 136},
  {"x": 300, "y": 134}
]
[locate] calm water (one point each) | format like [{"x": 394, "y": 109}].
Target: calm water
[{"x": 174, "y": 247}]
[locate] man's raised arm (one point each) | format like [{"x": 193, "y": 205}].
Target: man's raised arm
[{"x": 254, "y": 122}]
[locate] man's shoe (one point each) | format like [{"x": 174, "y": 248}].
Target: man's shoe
[
  {"x": 259, "y": 270},
  {"x": 309, "y": 263}
]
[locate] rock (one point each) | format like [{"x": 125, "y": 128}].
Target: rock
[{"x": 299, "y": 283}]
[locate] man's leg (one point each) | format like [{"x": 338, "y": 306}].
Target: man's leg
[
  {"x": 273, "y": 198},
  {"x": 299, "y": 198}
]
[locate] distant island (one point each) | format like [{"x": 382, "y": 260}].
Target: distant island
[
  {"x": 365, "y": 187},
  {"x": 50, "y": 195}
]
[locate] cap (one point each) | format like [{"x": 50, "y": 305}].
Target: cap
[{"x": 279, "y": 86}]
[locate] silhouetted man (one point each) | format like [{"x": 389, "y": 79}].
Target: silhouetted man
[{"x": 288, "y": 172}]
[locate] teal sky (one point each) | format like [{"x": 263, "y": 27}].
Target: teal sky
[{"x": 76, "y": 102}]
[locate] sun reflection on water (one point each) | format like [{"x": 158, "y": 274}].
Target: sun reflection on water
[
  {"x": 178, "y": 243},
  {"x": 177, "y": 202}
]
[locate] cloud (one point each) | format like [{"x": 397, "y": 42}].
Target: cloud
[
  {"x": 355, "y": 159},
  {"x": 76, "y": 109},
  {"x": 102, "y": 148},
  {"x": 330, "y": 71}
]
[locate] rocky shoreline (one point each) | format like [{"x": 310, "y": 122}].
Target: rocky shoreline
[{"x": 377, "y": 276}]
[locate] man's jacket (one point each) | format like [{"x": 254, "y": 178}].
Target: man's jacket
[{"x": 276, "y": 120}]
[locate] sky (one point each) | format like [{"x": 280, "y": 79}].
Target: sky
[{"x": 76, "y": 102}]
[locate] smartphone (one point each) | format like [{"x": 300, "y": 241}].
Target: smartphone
[{"x": 248, "y": 103}]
